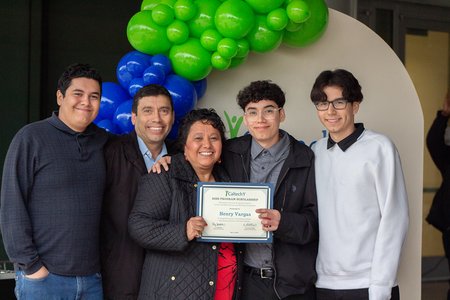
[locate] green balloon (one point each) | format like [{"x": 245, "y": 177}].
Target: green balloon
[
  {"x": 204, "y": 17},
  {"x": 162, "y": 15},
  {"x": 236, "y": 61},
  {"x": 149, "y": 4},
  {"x": 277, "y": 19},
  {"x": 261, "y": 38},
  {"x": 312, "y": 29},
  {"x": 184, "y": 9},
  {"x": 169, "y": 3},
  {"x": 219, "y": 62},
  {"x": 227, "y": 48},
  {"x": 209, "y": 39},
  {"x": 243, "y": 48},
  {"x": 292, "y": 26},
  {"x": 145, "y": 35},
  {"x": 191, "y": 60},
  {"x": 177, "y": 32},
  {"x": 234, "y": 19},
  {"x": 298, "y": 11},
  {"x": 264, "y": 6}
]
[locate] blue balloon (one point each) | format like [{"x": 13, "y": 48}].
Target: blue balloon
[
  {"x": 200, "y": 87},
  {"x": 137, "y": 63},
  {"x": 183, "y": 94},
  {"x": 130, "y": 66},
  {"x": 154, "y": 74},
  {"x": 122, "y": 117},
  {"x": 135, "y": 85},
  {"x": 112, "y": 95},
  {"x": 162, "y": 61},
  {"x": 173, "y": 134},
  {"x": 109, "y": 126}
]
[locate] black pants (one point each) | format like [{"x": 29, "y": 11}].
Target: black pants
[
  {"x": 256, "y": 288},
  {"x": 446, "y": 242},
  {"x": 357, "y": 294}
]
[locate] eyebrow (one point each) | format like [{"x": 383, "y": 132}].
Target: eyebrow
[
  {"x": 341, "y": 98},
  {"x": 267, "y": 106}
]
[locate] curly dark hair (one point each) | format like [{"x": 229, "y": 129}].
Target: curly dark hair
[
  {"x": 351, "y": 90},
  {"x": 150, "y": 90},
  {"x": 261, "y": 90},
  {"x": 77, "y": 70},
  {"x": 206, "y": 116}
]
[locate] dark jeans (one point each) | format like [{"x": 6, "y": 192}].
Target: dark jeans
[
  {"x": 256, "y": 288},
  {"x": 58, "y": 287},
  {"x": 446, "y": 242},
  {"x": 356, "y": 294}
]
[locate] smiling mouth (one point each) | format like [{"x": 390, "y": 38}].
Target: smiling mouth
[
  {"x": 206, "y": 153},
  {"x": 159, "y": 129}
]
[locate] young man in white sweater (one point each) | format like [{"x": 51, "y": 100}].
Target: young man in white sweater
[{"x": 361, "y": 195}]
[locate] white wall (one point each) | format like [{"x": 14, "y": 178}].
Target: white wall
[{"x": 390, "y": 106}]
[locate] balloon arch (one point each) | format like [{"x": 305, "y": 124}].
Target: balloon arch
[{"x": 179, "y": 42}]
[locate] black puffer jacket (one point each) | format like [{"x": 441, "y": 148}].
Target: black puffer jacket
[
  {"x": 439, "y": 215},
  {"x": 174, "y": 268},
  {"x": 296, "y": 240}
]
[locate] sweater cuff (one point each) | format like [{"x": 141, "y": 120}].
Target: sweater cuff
[
  {"x": 33, "y": 268},
  {"x": 377, "y": 292}
]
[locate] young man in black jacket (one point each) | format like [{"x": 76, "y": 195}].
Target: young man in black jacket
[
  {"x": 286, "y": 268},
  {"x": 438, "y": 143}
]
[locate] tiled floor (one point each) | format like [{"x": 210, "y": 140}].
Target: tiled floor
[{"x": 435, "y": 290}]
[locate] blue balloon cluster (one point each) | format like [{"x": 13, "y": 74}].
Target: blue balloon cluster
[{"x": 135, "y": 70}]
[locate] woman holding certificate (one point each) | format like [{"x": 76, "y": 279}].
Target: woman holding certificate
[{"x": 164, "y": 221}]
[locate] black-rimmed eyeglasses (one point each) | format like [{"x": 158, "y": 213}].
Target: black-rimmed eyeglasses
[{"x": 338, "y": 104}]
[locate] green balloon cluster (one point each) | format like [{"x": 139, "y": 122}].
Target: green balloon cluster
[{"x": 199, "y": 35}]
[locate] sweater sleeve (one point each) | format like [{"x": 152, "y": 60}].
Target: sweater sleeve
[
  {"x": 17, "y": 182},
  {"x": 439, "y": 151},
  {"x": 393, "y": 204},
  {"x": 150, "y": 222}
]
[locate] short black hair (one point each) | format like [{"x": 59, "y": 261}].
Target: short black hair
[
  {"x": 261, "y": 90},
  {"x": 351, "y": 90},
  {"x": 77, "y": 70},
  {"x": 206, "y": 116},
  {"x": 150, "y": 90}
]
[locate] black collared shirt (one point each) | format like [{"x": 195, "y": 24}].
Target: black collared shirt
[{"x": 349, "y": 140}]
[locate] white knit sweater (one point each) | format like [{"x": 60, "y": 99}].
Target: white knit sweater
[{"x": 363, "y": 215}]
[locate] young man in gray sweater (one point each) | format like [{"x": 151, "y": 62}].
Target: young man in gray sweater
[{"x": 51, "y": 196}]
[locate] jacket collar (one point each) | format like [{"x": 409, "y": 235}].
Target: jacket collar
[
  {"x": 295, "y": 159},
  {"x": 132, "y": 152}
]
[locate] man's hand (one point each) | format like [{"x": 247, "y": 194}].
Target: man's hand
[
  {"x": 163, "y": 162},
  {"x": 270, "y": 218},
  {"x": 41, "y": 273},
  {"x": 194, "y": 227}
]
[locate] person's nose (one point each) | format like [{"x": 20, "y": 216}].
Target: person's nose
[
  {"x": 331, "y": 109},
  {"x": 85, "y": 100},
  {"x": 156, "y": 117},
  {"x": 260, "y": 117}
]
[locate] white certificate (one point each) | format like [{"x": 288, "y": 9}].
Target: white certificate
[{"x": 229, "y": 211}]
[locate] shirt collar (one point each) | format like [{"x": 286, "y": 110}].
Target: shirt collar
[
  {"x": 349, "y": 140},
  {"x": 144, "y": 150},
  {"x": 275, "y": 151}
]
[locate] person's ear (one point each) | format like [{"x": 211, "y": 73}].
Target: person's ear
[
  {"x": 59, "y": 97},
  {"x": 355, "y": 106},
  {"x": 282, "y": 115}
]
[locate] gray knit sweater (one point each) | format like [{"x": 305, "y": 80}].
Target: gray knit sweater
[{"x": 51, "y": 198}]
